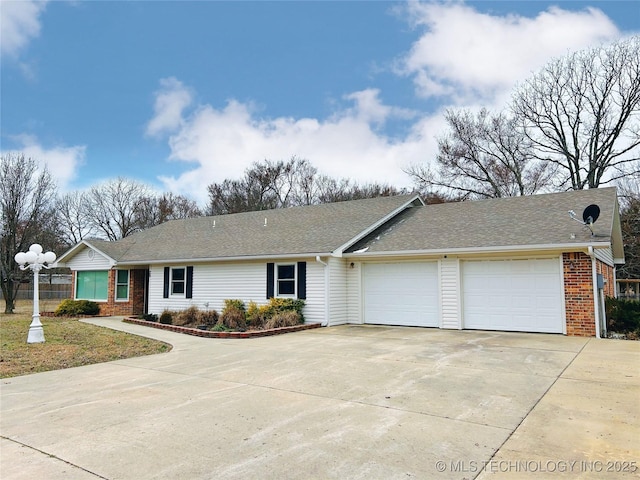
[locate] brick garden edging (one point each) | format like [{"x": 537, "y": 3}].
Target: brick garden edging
[
  {"x": 63, "y": 317},
  {"x": 209, "y": 334}
]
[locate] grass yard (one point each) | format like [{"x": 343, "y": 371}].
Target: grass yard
[{"x": 68, "y": 343}]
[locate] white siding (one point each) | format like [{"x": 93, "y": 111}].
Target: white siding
[
  {"x": 354, "y": 293},
  {"x": 338, "y": 312},
  {"x": 314, "y": 310},
  {"x": 450, "y": 293},
  {"x": 247, "y": 281},
  {"x": 84, "y": 261},
  {"x": 604, "y": 254}
]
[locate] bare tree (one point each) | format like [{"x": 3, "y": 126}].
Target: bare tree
[
  {"x": 581, "y": 113},
  {"x": 339, "y": 190},
  {"x": 156, "y": 209},
  {"x": 629, "y": 194},
  {"x": 114, "y": 205},
  {"x": 482, "y": 156},
  {"x": 265, "y": 185},
  {"x": 26, "y": 197},
  {"x": 116, "y": 209},
  {"x": 73, "y": 218},
  {"x": 234, "y": 196},
  {"x": 269, "y": 185},
  {"x": 306, "y": 191}
]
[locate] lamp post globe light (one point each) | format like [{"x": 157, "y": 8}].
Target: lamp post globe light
[{"x": 35, "y": 260}]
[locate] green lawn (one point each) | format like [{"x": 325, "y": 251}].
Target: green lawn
[{"x": 68, "y": 343}]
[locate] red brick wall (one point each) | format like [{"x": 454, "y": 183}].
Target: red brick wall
[
  {"x": 609, "y": 282},
  {"x": 578, "y": 294},
  {"x": 133, "y": 306}
]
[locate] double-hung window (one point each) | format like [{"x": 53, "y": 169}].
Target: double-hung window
[
  {"x": 122, "y": 285},
  {"x": 178, "y": 281},
  {"x": 286, "y": 280}
]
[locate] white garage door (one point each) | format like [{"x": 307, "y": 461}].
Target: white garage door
[
  {"x": 513, "y": 295},
  {"x": 401, "y": 293}
]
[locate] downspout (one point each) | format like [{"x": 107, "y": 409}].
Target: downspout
[
  {"x": 325, "y": 323},
  {"x": 596, "y": 293}
]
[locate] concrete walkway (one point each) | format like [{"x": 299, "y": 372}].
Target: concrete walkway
[{"x": 349, "y": 402}]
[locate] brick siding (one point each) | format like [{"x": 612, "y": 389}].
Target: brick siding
[
  {"x": 578, "y": 292},
  {"x": 609, "y": 283},
  {"x": 133, "y": 306}
]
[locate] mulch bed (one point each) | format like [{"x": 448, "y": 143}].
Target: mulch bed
[{"x": 209, "y": 334}]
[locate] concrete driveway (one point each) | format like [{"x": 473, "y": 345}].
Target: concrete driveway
[{"x": 349, "y": 402}]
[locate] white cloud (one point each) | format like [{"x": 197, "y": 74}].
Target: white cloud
[
  {"x": 469, "y": 56},
  {"x": 369, "y": 109},
  {"x": 19, "y": 24},
  {"x": 222, "y": 143},
  {"x": 62, "y": 162},
  {"x": 171, "y": 100},
  {"x": 464, "y": 58}
]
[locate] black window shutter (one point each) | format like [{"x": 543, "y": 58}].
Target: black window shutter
[
  {"x": 302, "y": 280},
  {"x": 165, "y": 291},
  {"x": 270, "y": 279},
  {"x": 189, "y": 288}
]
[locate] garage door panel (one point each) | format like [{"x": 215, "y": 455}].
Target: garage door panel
[
  {"x": 401, "y": 293},
  {"x": 512, "y": 295}
]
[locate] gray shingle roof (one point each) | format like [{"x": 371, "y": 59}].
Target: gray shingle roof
[
  {"x": 316, "y": 229},
  {"x": 508, "y": 222}
]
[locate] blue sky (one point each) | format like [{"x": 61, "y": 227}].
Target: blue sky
[{"x": 182, "y": 94}]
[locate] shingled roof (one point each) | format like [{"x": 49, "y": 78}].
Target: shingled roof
[
  {"x": 313, "y": 230},
  {"x": 507, "y": 223},
  {"x": 400, "y": 225}
]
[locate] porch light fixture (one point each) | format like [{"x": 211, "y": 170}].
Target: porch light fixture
[{"x": 35, "y": 260}]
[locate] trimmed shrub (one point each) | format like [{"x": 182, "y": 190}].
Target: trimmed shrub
[
  {"x": 166, "y": 318},
  {"x": 233, "y": 318},
  {"x": 188, "y": 317},
  {"x": 150, "y": 317},
  {"x": 623, "y": 316},
  {"x": 288, "y": 318},
  {"x": 207, "y": 317},
  {"x": 74, "y": 308},
  {"x": 279, "y": 312},
  {"x": 280, "y": 305},
  {"x": 256, "y": 316},
  {"x": 234, "y": 303}
]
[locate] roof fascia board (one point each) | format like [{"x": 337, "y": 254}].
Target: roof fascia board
[
  {"x": 616, "y": 234},
  {"x": 223, "y": 259},
  {"x": 463, "y": 251},
  {"x": 339, "y": 252}
]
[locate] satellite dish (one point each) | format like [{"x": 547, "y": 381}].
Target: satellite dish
[{"x": 591, "y": 214}]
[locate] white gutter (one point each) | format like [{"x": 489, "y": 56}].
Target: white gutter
[
  {"x": 325, "y": 323},
  {"x": 496, "y": 249},
  {"x": 219, "y": 259}
]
